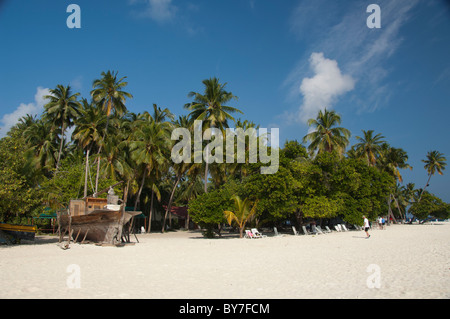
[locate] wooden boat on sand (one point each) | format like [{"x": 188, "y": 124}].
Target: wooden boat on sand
[
  {"x": 18, "y": 232},
  {"x": 98, "y": 220}
]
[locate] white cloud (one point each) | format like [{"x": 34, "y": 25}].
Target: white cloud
[
  {"x": 323, "y": 89},
  {"x": 160, "y": 11},
  {"x": 339, "y": 30},
  {"x": 34, "y": 108}
]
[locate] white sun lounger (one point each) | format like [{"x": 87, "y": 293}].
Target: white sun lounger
[
  {"x": 275, "y": 230},
  {"x": 343, "y": 227},
  {"x": 295, "y": 231},
  {"x": 249, "y": 234},
  {"x": 319, "y": 230},
  {"x": 257, "y": 234},
  {"x": 305, "y": 231},
  {"x": 328, "y": 229}
]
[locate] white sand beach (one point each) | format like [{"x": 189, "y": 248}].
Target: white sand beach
[{"x": 407, "y": 261}]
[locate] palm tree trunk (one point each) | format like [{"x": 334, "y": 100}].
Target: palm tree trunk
[
  {"x": 398, "y": 207},
  {"x": 206, "y": 169},
  {"x": 63, "y": 129},
  {"x": 170, "y": 203},
  {"x": 421, "y": 193},
  {"x": 186, "y": 224},
  {"x": 389, "y": 211},
  {"x": 100, "y": 149},
  {"x": 241, "y": 232},
  {"x": 98, "y": 171},
  {"x": 86, "y": 170},
  {"x": 151, "y": 213},
  {"x": 138, "y": 198}
]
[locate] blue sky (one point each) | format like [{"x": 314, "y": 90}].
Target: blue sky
[{"x": 284, "y": 60}]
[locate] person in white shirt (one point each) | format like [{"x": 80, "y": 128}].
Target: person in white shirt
[
  {"x": 366, "y": 226},
  {"x": 380, "y": 222}
]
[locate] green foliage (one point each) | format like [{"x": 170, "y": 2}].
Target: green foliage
[
  {"x": 17, "y": 197},
  {"x": 69, "y": 184},
  {"x": 39, "y": 167},
  {"x": 244, "y": 211},
  {"x": 207, "y": 209},
  {"x": 275, "y": 192},
  {"x": 321, "y": 207},
  {"x": 430, "y": 205},
  {"x": 294, "y": 150}
]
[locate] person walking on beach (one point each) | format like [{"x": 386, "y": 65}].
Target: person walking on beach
[
  {"x": 366, "y": 226},
  {"x": 380, "y": 222}
]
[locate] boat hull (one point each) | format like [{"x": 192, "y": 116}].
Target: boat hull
[
  {"x": 19, "y": 231},
  {"x": 99, "y": 226}
]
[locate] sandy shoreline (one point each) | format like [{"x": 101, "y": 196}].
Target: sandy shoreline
[{"x": 407, "y": 261}]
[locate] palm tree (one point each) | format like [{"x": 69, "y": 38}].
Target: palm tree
[
  {"x": 394, "y": 159},
  {"x": 403, "y": 197},
  {"x": 327, "y": 137},
  {"x": 211, "y": 109},
  {"x": 116, "y": 165},
  {"x": 190, "y": 188},
  {"x": 160, "y": 115},
  {"x": 435, "y": 162},
  {"x": 243, "y": 212},
  {"x": 149, "y": 146},
  {"x": 180, "y": 169},
  {"x": 25, "y": 122},
  {"x": 369, "y": 146},
  {"x": 43, "y": 141},
  {"x": 108, "y": 92},
  {"x": 241, "y": 170},
  {"x": 88, "y": 132},
  {"x": 62, "y": 109}
]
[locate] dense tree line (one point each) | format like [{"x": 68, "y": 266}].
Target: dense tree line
[{"x": 320, "y": 178}]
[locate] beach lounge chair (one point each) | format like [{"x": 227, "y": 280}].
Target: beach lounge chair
[
  {"x": 249, "y": 234},
  {"x": 337, "y": 227},
  {"x": 343, "y": 227},
  {"x": 315, "y": 230},
  {"x": 295, "y": 231},
  {"x": 257, "y": 234},
  {"x": 305, "y": 231},
  {"x": 319, "y": 230},
  {"x": 327, "y": 229},
  {"x": 357, "y": 227},
  {"x": 275, "y": 231}
]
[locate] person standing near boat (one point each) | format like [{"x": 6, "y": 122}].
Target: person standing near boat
[{"x": 366, "y": 226}]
